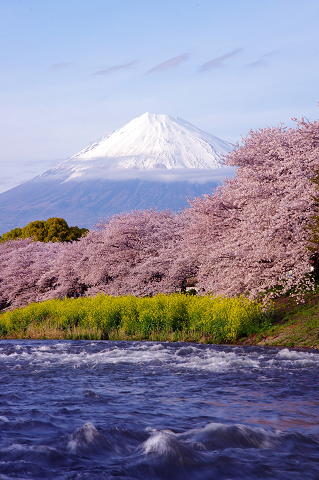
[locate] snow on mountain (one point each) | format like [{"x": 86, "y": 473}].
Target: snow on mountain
[
  {"x": 146, "y": 143},
  {"x": 155, "y": 161}
]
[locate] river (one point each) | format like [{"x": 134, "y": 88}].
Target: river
[{"x": 145, "y": 410}]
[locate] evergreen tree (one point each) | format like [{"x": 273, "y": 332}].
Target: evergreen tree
[{"x": 52, "y": 230}]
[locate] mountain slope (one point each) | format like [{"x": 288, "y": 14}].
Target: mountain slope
[
  {"x": 153, "y": 161},
  {"x": 148, "y": 142},
  {"x": 84, "y": 203}
]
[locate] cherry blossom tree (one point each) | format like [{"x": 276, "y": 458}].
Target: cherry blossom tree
[
  {"x": 22, "y": 264},
  {"x": 250, "y": 235},
  {"x": 131, "y": 253}
]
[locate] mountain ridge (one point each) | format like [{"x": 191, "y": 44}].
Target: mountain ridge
[
  {"x": 87, "y": 187},
  {"x": 148, "y": 142}
]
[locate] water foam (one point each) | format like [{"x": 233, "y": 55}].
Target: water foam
[
  {"x": 299, "y": 358},
  {"x": 86, "y": 439},
  {"x": 165, "y": 445},
  {"x": 191, "y": 357},
  {"x": 221, "y": 436}
]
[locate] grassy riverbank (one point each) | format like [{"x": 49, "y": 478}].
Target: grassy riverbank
[
  {"x": 293, "y": 325},
  {"x": 163, "y": 317},
  {"x": 169, "y": 317}
]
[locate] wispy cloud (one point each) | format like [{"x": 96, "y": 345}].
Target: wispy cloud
[
  {"x": 172, "y": 63},
  {"x": 191, "y": 175},
  {"x": 59, "y": 66},
  {"x": 45, "y": 163},
  {"x": 115, "y": 68},
  {"x": 258, "y": 63},
  {"x": 219, "y": 61},
  {"x": 262, "y": 62}
]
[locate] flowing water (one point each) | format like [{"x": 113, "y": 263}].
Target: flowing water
[{"x": 145, "y": 410}]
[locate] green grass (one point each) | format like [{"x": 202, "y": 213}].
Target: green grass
[
  {"x": 293, "y": 325},
  {"x": 173, "y": 317}
]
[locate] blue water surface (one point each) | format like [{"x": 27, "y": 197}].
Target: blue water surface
[{"x": 146, "y": 410}]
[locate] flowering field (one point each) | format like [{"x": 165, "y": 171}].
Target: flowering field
[{"x": 162, "y": 317}]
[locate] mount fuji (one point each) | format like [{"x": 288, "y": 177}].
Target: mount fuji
[{"x": 153, "y": 161}]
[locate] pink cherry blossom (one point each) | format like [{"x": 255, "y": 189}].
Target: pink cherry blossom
[{"x": 247, "y": 237}]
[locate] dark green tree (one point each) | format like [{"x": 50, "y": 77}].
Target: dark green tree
[
  {"x": 12, "y": 235},
  {"x": 52, "y": 230}
]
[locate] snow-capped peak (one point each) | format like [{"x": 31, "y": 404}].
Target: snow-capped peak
[
  {"x": 157, "y": 141},
  {"x": 146, "y": 143}
]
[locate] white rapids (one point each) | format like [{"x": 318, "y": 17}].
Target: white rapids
[
  {"x": 161, "y": 355},
  {"x": 157, "y": 411}
]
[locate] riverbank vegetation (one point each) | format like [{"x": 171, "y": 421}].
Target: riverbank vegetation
[
  {"x": 293, "y": 325},
  {"x": 169, "y": 318},
  {"x": 162, "y": 317}
]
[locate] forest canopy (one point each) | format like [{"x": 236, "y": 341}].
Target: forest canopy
[{"x": 52, "y": 230}]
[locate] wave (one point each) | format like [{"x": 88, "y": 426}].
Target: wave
[
  {"x": 196, "y": 357},
  {"x": 133, "y": 354},
  {"x": 215, "y": 451},
  {"x": 165, "y": 445},
  {"x": 87, "y": 439}
]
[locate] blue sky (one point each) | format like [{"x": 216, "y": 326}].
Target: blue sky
[{"x": 72, "y": 71}]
